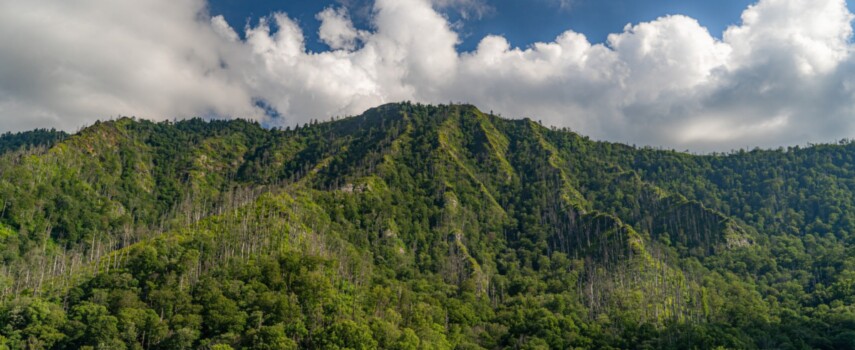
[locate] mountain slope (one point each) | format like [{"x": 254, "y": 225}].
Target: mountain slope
[{"x": 416, "y": 226}]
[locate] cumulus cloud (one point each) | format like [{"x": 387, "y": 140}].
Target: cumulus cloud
[
  {"x": 785, "y": 75},
  {"x": 337, "y": 30},
  {"x": 67, "y": 63}
]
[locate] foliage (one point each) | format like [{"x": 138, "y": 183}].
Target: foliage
[{"x": 418, "y": 227}]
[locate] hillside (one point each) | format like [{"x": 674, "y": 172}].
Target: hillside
[{"x": 418, "y": 227}]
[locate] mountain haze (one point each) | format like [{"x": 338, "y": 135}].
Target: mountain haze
[{"x": 418, "y": 227}]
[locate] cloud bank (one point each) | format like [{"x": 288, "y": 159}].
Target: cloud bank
[{"x": 785, "y": 75}]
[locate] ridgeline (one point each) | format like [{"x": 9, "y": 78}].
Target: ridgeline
[{"x": 417, "y": 227}]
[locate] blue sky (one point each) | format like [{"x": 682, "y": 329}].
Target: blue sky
[
  {"x": 522, "y": 22},
  {"x": 686, "y": 74}
]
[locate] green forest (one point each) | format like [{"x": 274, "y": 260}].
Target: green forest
[{"x": 418, "y": 227}]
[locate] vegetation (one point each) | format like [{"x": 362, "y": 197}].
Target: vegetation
[
  {"x": 34, "y": 138},
  {"x": 418, "y": 227}
]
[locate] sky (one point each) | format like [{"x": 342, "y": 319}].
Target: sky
[
  {"x": 689, "y": 74},
  {"x": 521, "y": 22}
]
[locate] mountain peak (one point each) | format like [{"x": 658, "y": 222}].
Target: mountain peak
[{"x": 437, "y": 226}]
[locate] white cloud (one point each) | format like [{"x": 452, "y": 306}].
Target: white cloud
[
  {"x": 337, "y": 30},
  {"x": 66, "y": 63},
  {"x": 784, "y": 75},
  {"x": 669, "y": 56},
  {"x": 810, "y": 35},
  {"x": 409, "y": 56}
]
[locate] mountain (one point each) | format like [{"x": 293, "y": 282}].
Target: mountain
[
  {"x": 418, "y": 227},
  {"x": 34, "y": 138}
]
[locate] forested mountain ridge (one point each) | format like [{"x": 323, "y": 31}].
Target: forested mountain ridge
[
  {"x": 34, "y": 138},
  {"x": 419, "y": 227}
]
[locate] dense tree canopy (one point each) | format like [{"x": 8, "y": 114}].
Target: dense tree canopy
[{"x": 417, "y": 227}]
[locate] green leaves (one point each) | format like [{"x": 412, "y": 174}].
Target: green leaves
[{"x": 417, "y": 227}]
